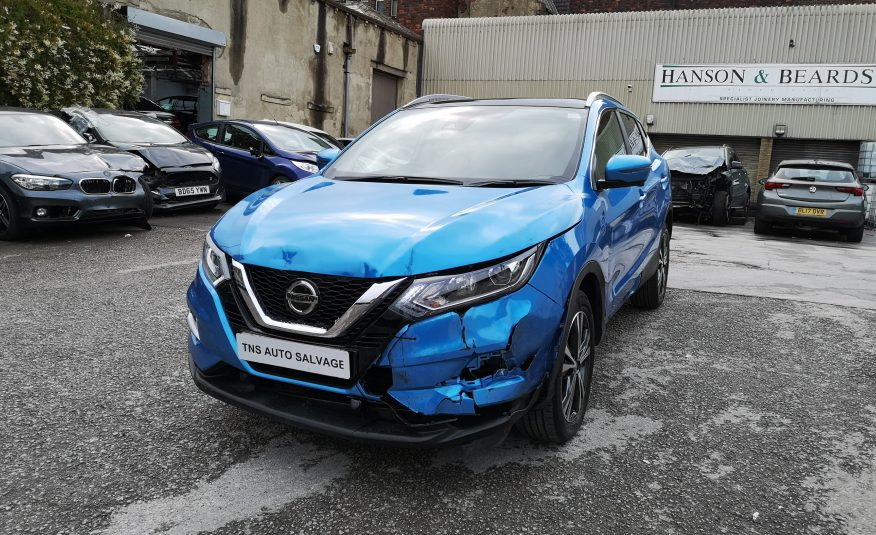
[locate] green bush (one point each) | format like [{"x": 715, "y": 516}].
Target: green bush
[{"x": 55, "y": 53}]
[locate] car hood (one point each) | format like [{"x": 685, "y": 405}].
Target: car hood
[
  {"x": 301, "y": 156},
  {"x": 360, "y": 229},
  {"x": 63, "y": 159},
  {"x": 163, "y": 156}
]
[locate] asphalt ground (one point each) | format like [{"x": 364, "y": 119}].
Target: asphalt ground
[{"x": 721, "y": 412}]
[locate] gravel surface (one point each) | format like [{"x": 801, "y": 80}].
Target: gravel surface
[{"x": 716, "y": 413}]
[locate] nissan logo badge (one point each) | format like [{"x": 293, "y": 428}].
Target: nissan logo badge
[{"x": 302, "y": 297}]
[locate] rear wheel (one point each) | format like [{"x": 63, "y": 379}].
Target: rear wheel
[
  {"x": 561, "y": 416},
  {"x": 855, "y": 235},
  {"x": 650, "y": 295},
  {"x": 720, "y": 208},
  {"x": 761, "y": 226},
  {"x": 10, "y": 227}
]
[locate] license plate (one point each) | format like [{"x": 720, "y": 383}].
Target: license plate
[
  {"x": 817, "y": 212},
  {"x": 294, "y": 355},
  {"x": 192, "y": 190}
]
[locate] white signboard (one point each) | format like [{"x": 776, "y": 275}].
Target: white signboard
[{"x": 767, "y": 84}]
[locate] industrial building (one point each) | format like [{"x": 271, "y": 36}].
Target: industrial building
[{"x": 774, "y": 83}]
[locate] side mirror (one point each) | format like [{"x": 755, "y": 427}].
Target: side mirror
[
  {"x": 736, "y": 164},
  {"x": 761, "y": 181},
  {"x": 866, "y": 187},
  {"x": 255, "y": 152},
  {"x": 625, "y": 171},
  {"x": 327, "y": 156},
  {"x": 89, "y": 137}
]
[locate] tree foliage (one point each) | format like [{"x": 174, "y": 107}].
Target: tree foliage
[{"x": 54, "y": 53}]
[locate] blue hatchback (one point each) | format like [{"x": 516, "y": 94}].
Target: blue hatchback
[
  {"x": 446, "y": 276},
  {"x": 255, "y": 154}
]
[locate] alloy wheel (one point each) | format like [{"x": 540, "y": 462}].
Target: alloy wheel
[
  {"x": 4, "y": 214},
  {"x": 663, "y": 265},
  {"x": 576, "y": 368}
]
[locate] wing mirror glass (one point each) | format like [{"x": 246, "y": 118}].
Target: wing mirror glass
[
  {"x": 625, "y": 171},
  {"x": 327, "y": 156}
]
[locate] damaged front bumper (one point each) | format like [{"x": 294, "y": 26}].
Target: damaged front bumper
[
  {"x": 446, "y": 379},
  {"x": 172, "y": 187}
]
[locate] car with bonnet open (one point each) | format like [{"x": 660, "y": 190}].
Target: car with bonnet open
[
  {"x": 710, "y": 183},
  {"x": 179, "y": 173},
  {"x": 446, "y": 276}
]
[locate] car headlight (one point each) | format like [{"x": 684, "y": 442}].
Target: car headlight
[
  {"x": 41, "y": 183},
  {"x": 216, "y": 166},
  {"x": 214, "y": 263},
  {"x": 305, "y": 166},
  {"x": 433, "y": 295}
]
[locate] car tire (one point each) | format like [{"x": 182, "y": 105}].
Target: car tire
[
  {"x": 279, "y": 180},
  {"x": 559, "y": 418},
  {"x": 652, "y": 292},
  {"x": 762, "y": 227},
  {"x": 720, "y": 208},
  {"x": 855, "y": 235},
  {"x": 10, "y": 226}
]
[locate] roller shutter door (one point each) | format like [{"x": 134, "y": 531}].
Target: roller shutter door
[
  {"x": 172, "y": 42},
  {"x": 747, "y": 148},
  {"x": 809, "y": 149}
]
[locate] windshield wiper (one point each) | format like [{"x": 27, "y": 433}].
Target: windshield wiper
[
  {"x": 521, "y": 183},
  {"x": 404, "y": 179}
]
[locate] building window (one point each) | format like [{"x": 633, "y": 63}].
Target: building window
[{"x": 380, "y": 6}]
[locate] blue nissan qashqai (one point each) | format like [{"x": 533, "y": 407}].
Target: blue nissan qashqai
[{"x": 445, "y": 276}]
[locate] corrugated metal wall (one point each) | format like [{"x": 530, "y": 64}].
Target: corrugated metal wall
[{"x": 571, "y": 55}]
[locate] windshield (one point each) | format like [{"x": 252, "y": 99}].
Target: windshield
[
  {"x": 292, "y": 139},
  {"x": 135, "y": 129},
  {"x": 815, "y": 174},
  {"x": 32, "y": 129},
  {"x": 469, "y": 144}
]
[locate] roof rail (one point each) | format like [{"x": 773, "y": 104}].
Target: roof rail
[
  {"x": 427, "y": 99},
  {"x": 599, "y": 95}
]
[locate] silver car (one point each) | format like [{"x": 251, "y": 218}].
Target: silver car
[{"x": 812, "y": 193}]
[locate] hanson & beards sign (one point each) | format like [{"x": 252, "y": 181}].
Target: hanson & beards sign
[{"x": 767, "y": 84}]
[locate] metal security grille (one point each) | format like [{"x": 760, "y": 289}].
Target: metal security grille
[
  {"x": 806, "y": 149},
  {"x": 336, "y": 294}
]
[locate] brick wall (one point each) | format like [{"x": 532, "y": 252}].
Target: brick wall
[
  {"x": 412, "y": 13},
  {"x": 602, "y": 6}
]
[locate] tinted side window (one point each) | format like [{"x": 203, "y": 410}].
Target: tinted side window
[
  {"x": 609, "y": 141},
  {"x": 240, "y": 138},
  {"x": 209, "y": 132},
  {"x": 635, "y": 139}
]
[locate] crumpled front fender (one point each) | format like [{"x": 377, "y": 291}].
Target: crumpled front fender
[{"x": 492, "y": 353}]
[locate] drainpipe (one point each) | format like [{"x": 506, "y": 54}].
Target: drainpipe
[{"x": 348, "y": 55}]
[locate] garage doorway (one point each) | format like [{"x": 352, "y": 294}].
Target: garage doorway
[
  {"x": 384, "y": 94},
  {"x": 178, "y": 59}
]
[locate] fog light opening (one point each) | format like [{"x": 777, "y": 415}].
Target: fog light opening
[{"x": 193, "y": 326}]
